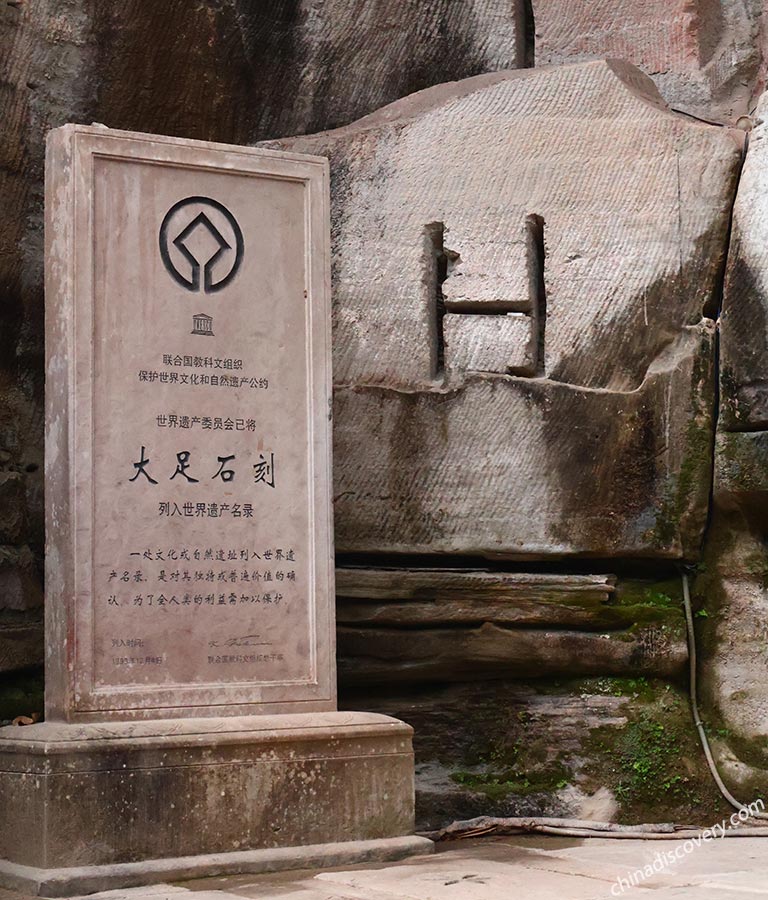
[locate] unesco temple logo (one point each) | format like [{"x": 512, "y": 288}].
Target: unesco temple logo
[{"x": 200, "y": 235}]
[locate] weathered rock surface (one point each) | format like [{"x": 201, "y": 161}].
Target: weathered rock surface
[
  {"x": 609, "y": 749},
  {"x": 741, "y": 465},
  {"x": 21, "y": 640},
  {"x": 233, "y": 71},
  {"x": 732, "y": 590},
  {"x": 569, "y": 136},
  {"x": 19, "y": 585},
  {"x": 413, "y": 597},
  {"x": 516, "y": 468},
  {"x": 386, "y": 655},
  {"x": 704, "y": 56},
  {"x": 417, "y": 625},
  {"x": 733, "y": 635},
  {"x": 500, "y": 343},
  {"x": 606, "y": 451},
  {"x": 744, "y": 320},
  {"x": 733, "y": 587}
]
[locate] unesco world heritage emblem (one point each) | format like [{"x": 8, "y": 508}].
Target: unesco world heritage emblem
[
  {"x": 202, "y": 324},
  {"x": 206, "y": 238}
]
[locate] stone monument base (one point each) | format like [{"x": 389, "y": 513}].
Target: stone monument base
[{"x": 88, "y": 807}]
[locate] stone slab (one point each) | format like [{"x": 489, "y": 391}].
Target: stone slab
[
  {"x": 66, "y": 882},
  {"x": 431, "y": 596},
  {"x": 101, "y": 795},
  {"x": 495, "y": 868},
  {"x": 441, "y": 585},
  {"x": 385, "y": 656},
  {"x": 189, "y": 540},
  {"x": 505, "y": 344},
  {"x": 445, "y": 878},
  {"x": 601, "y": 451},
  {"x": 516, "y": 468}
]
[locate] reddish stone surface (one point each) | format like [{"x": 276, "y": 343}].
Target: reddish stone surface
[{"x": 704, "y": 55}]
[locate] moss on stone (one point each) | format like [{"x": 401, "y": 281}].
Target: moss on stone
[
  {"x": 645, "y": 750},
  {"x": 640, "y": 604},
  {"x": 647, "y": 753},
  {"x": 497, "y": 785},
  {"x": 691, "y": 485},
  {"x": 631, "y": 688},
  {"x": 654, "y": 764},
  {"x": 690, "y": 480}
]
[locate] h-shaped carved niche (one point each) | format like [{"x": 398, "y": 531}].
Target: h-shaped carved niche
[
  {"x": 489, "y": 318},
  {"x": 477, "y": 412}
]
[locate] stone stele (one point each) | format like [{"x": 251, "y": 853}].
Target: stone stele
[{"x": 191, "y": 721}]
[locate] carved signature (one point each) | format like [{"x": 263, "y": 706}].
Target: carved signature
[{"x": 248, "y": 640}]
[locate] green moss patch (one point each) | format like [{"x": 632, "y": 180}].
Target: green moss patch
[{"x": 654, "y": 764}]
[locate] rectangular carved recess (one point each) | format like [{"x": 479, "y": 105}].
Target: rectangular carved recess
[
  {"x": 537, "y": 253},
  {"x": 490, "y": 321},
  {"x": 438, "y": 266}
]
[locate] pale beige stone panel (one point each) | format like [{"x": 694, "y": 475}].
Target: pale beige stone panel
[
  {"x": 508, "y": 282},
  {"x": 188, "y": 449},
  {"x": 489, "y": 343}
]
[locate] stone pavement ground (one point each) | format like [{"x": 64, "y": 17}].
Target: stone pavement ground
[{"x": 540, "y": 867}]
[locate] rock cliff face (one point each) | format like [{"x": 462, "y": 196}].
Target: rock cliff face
[
  {"x": 734, "y": 583},
  {"x": 233, "y": 71},
  {"x": 240, "y": 71},
  {"x": 534, "y": 383},
  {"x": 705, "y": 55},
  {"x": 524, "y": 358}
]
